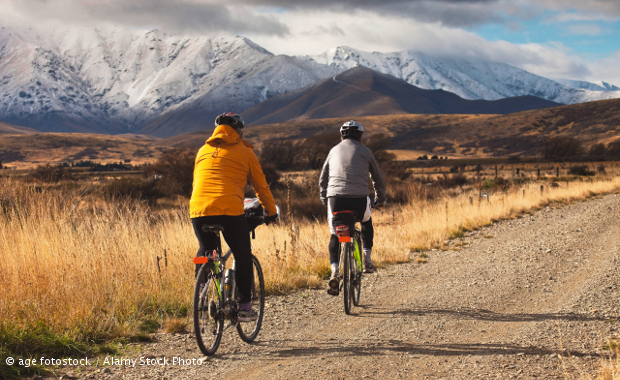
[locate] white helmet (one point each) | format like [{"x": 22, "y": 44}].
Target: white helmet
[{"x": 351, "y": 127}]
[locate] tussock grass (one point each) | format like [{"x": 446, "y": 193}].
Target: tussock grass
[
  {"x": 610, "y": 368},
  {"x": 75, "y": 270}
]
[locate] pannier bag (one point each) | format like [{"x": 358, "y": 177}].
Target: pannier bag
[{"x": 344, "y": 225}]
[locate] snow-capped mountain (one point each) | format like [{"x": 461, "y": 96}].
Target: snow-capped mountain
[
  {"x": 596, "y": 86},
  {"x": 111, "y": 80},
  {"x": 470, "y": 80}
]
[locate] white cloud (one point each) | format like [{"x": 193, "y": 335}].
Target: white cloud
[
  {"x": 606, "y": 69},
  {"x": 370, "y": 32},
  {"x": 198, "y": 16},
  {"x": 588, "y": 29},
  {"x": 295, "y": 29}
]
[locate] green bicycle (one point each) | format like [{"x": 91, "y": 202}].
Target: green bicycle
[
  {"x": 350, "y": 258},
  {"x": 215, "y": 296}
]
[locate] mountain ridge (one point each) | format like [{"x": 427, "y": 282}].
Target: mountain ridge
[
  {"x": 361, "y": 91},
  {"x": 114, "y": 80}
]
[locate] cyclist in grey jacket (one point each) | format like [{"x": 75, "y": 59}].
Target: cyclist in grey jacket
[{"x": 344, "y": 186}]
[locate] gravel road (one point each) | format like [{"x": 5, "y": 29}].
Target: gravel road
[{"x": 533, "y": 297}]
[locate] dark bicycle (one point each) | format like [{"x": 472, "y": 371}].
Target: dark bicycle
[{"x": 215, "y": 295}]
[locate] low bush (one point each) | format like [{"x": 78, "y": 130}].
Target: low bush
[
  {"x": 174, "y": 172},
  {"x": 581, "y": 170},
  {"x": 50, "y": 174},
  {"x": 133, "y": 188}
]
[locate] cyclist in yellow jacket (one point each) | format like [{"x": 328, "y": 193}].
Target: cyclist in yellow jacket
[{"x": 223, "y": 167}]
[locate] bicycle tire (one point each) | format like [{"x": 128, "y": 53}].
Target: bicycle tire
[
  {"x": 248, "y": 331},
  {"x": 208, "y": 316},
  {"x": 346, "y": 251},
  {"x": 356, "y": 287}
]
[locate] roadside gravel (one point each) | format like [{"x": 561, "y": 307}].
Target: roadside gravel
[{"x": 533, "y": 297}]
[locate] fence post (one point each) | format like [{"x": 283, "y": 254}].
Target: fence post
[
  {"x": 538, "y": 173},
  {"x": 288, "y": 200},
  {"x": 479, "y": 184},
  {"x": 523, "y": 193},
  {"x": 557, "y": 171},
  {"x": 542, "y": 188}
]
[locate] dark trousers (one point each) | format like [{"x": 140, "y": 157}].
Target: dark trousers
[
  {"x": 237, "y": 235},
  {"x": 359, "y": 206}
]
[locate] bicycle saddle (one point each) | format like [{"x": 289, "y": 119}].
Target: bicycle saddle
[{"x": 212, "y": 228}]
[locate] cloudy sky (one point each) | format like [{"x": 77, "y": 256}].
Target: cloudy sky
[{"x": 575, "y": 39}]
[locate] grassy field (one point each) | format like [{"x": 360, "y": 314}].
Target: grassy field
[{"x": 80, "y": 274}]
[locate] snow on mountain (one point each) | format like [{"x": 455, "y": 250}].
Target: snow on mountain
[
  {"x": 111, "y": 80},
  {"x": 596, "y": 86},
  {"x": 470, "y": 80}
]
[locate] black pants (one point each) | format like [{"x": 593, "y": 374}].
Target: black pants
[
  {"x": 237, "y": 235},
  {"x": 359, "y": 206}
]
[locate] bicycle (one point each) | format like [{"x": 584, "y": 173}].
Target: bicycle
[
  {"x": 350, "y": 257},
  {"x": 215, "y": 295}
]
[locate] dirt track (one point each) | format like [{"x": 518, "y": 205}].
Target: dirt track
[{"x": 511, "y": 304}]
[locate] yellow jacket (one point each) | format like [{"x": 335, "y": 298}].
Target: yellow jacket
[{"x": 223, "y": 166}]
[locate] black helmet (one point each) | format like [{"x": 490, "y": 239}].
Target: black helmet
[
  {"x": 351, "y": 129},
  {"x": 231, "y": 119}
]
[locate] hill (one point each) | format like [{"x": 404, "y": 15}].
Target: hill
[
  {"x": 470, "y": 135},
  {"x": 32, "y": 149},
  {"x": 447, "y": 135},
  {"x": 363, "y": 92},
  {"x": 9, "y": 129}
]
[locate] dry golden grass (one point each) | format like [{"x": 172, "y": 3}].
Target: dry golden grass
[
  {"x": 175, "y": 325},
  {"x": 85, "y": 268},
  {"x": 610, "y": 369}
]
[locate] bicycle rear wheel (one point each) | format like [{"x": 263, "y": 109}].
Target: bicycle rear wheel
[
  {"x": 208, "y": 316},
  {"x": 248, "y": 331},
  {"x": 346, "y": 280},
  {"x": 356, "y": 282}
]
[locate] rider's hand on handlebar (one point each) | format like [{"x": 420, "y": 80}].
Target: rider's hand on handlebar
[{"x": 271, "y": 219}]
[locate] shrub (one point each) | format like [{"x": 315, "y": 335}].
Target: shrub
[
  {"x": 454, "y": 180},
  {"x": 133, "y": 188},
  {"x": 562, "y": 147},
  {"x": 581, "y": 170},
  {"x": 271, "y": 174},
  {"x": 498, "y": 183},
  {"x": 282, "y": 154},
  {"x": 598, "y": 150},
  {"x": 50, "y": 174},
  {"x": 378, "y": 141},
  {"x": 313, "y": 151},
  {"x": 600, "y": 168},
  {"x": 176, "y": 171},
  {"x": 613, "y": 149}
]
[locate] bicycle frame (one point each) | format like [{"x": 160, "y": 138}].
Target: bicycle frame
[{"x": 219, "y": 264}]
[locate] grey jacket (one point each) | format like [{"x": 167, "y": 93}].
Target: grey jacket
[{"x": 345, "y": 172}]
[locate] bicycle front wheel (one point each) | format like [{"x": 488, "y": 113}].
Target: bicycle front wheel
[
  {"x": 208, "y": 316},
  {"x": 346, "y": 279},
  {"x": 248, "y": 331}
]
